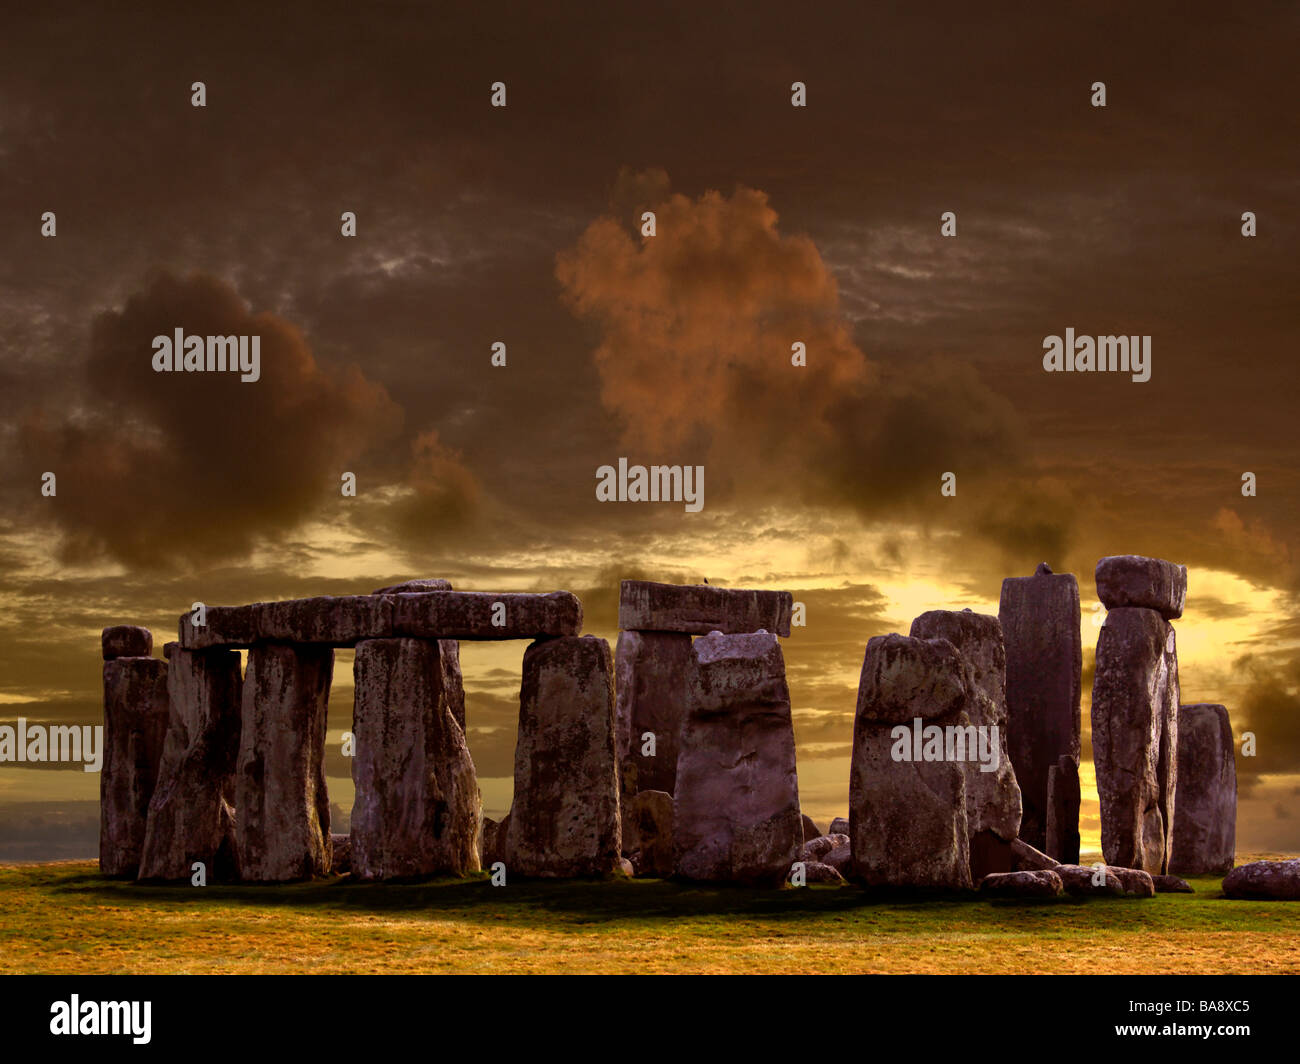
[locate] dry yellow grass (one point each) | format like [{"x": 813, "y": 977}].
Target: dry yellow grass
[{"x": 65, "y": 918}]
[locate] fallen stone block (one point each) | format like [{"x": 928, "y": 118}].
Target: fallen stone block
[
  {"x": 1135, "y": 737},
  {"x": 1172, "y": 885},
  {"x": 810, "y": 828},
  {"x": 907, "y": 818},
  {"x": 1130, "y": 580},
  {"x": 565, "y": 820},
  {"x": 126, "y": 641},
  {"x": 1264, "y": 881},
  {"x": 341, "y": 854},
  {"x": 1205, "y": 802},
  {"x": 1029, "y": 859},
  {"x": 839, "y": 826},
  {"x": 135, "y": 728},
  {"x": 816, "y": 872},
  {"x": 648, "y": 833},
  {"x": 839, "y": 858},
  {"x": 191, "y": 813},
  {"x": 281, "y": 802},
  {"x": 1043, "y": 883},
  {"x": 816, "y": 849},
  {"x": 736, "y": 811},
  {"x": 1044, "y": 655},
  {"x": 698, "y": 609},
  {"x": 1086, "y": 881},
  {"x": 416, "y": 812},
  {"x": 653, "y": 678}
]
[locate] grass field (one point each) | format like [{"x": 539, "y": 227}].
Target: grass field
[{"x": 65, "y": 918}]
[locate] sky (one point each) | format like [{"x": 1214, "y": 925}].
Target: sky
[{"x": 522, "y": 225}]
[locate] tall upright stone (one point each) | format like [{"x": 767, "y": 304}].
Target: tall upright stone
[
  {"x": 1063, "y": 801},
  {"x": 907, "y": 809},
  {"x": 281, "y": 803},
  {"x": 565, "y": 818},
  {"x": 1205, "y": 805},
  {"x": 135, "y": 727},
  {"x": 1135, "y": 737},
  {"x": 449, "y": 649},
  {"x": 417, "y": 809},
  {"x": 652, "y": 674},
  {"x": 993, "y": 808},
  {"x": 1044, "y": 649},
  {"x": 191, "y": 814},
  {"x": 736, "y": 811}
]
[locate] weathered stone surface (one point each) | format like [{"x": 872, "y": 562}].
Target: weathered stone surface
[
  {"x": 493, "y": 845},
  {"x": 1044, "y": 654},
  {"x": 1205, "y": 805},
  {"x": 908, "y": 818},
  {"x": 346, "y": 620},
  {"x": 1084, "y": 880},
  {"x": 1172, "y": 885},
  {"x": 839, "y": 826},
  {"x": 135, "y": 727},
  {"x": 698, "y": 609},
  {"x": 1135, "y": 736},
  {"x": 840, "y": 857},
  {"x": 565, "y": 820},
  {"x": 810, "y": 828},
  {"x": 816, "y": 872},
  {"x": 736, "y": 815},
  {"x": 648, "y": 833},
  {"x": 414, "y": 587},
  {"x": 816, "y": 849},
  {"x": 653, "y": 676},
  {"x": 453, "y": 683},
  {"x": 1135, "y": 881},
  {"x": 191, "y": 813},
  {"x": 341, "y": 854},
  {"x": 1265, "y": 881},
  {"x": 1043, "y": 883},
  {"x": 992, "y": 797},
  {"x": 1029, "y": 859},
  {"x": 417, "y": 809},
  {"x": 469, "y": 615},
  {"x": 1130, "y": 580},
  {"x": 126, "y": 641},
  {"x": 281, "y": 804},
  {"x": 1063, "y": 801}
]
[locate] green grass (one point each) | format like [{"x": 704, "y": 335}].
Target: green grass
[{"x": 66, "y": 918}]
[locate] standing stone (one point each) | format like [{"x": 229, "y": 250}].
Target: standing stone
[
  {"x": 191, "y": 814},
  {"x": 1205, "y": 807},
  {"x": 810, "y": 828},
  {"x": 736, "y": 813},
  {"x": 1040, "y": 627},
  {"x": 493, "y": 843},
  {"x": 126, "y": 641},
  {"x": 135, "y": 728},
  {"x": 992, "y": 798},
  {"x": 448, "y": 648},
  {"x": 565, "y": 817},
  {"x": 653, "y": 675},
  {"x": 416, "y": 811},
  {"x": 282, "y": 806},
  {"x": 1063, "y": 800},
  {"x": 1135, "y": 737},
  {"x": 1146, "y": 583},
  {"x": 907, "y": 818},
  {"x": 648, "y": 833}
]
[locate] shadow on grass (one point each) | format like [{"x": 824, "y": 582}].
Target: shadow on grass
[{"x": 616, "y": 901}]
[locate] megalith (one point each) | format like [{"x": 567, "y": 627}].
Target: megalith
[
  {"x": 1145, "y": 583},
  {"x": 1044, "y": 661},
  {"x": 653, "y": 678},
  {"x": 907, "y": 806},
  {"x": 736, "y": 815},
  {"x": 135, "y": 727},
  {"x": 281, "y": 804},
  {"x": 416, "y": 811},
  {"x": 992, "y": 794},
  {"x": 1063, "y": 801},
  {"x": 1135, "y": 737},
  {"x": 1205, "y": 802},
  {"x": 565, "y": 819},
  {"x": 191, "y": 814}
]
